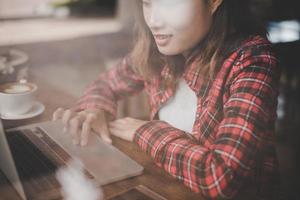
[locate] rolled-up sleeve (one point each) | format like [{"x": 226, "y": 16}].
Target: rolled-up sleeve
[{"x": 111, "y": 86}]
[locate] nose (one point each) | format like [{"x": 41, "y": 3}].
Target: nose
[{"x": 155, "y": 19}]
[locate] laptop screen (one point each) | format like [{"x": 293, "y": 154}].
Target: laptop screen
[{"x": 7, "y": 164}]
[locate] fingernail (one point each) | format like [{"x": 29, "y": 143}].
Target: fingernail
[{"x": 107, "y": 140}]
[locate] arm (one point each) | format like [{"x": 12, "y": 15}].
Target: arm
[
  {"x": 220, "y": 170},
  {"x": 103, "y": 93}
]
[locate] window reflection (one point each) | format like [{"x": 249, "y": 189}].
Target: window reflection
[{"x": 284, "y": 31}]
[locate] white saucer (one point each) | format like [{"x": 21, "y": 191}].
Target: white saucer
[{"x": 37, "y": 109}]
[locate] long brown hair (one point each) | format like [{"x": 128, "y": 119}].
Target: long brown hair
[{"x": 232, "y": 23}]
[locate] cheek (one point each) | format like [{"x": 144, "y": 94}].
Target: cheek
[
  {"x": 178, "y": 18},
  {"x": 194, "y": 25}
]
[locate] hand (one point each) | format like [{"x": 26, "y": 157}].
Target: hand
[
  {"x": 81, "y": 124},
  {"x": 125, "y": 128}
]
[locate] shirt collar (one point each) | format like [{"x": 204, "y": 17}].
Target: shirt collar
[{"x": 196, "y": 81}]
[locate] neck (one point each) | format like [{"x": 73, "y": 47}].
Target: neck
[{"x": 186, "y": 54}]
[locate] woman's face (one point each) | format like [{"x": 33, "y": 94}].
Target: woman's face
[{"x": 177, "y": 25}]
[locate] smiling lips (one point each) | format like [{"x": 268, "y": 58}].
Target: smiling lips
[{"x": 162, "y": 39}]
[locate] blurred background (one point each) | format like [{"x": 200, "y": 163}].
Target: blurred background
[{"x": 67, "y": 43}]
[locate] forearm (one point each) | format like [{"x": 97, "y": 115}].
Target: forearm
[
  {"x": 98, "y": 95},
  {"x": 201, "y": 169},
  {"x": 110, "y": 87}
]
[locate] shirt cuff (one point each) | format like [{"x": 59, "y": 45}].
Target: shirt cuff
[{"x": 154, "y": 135}]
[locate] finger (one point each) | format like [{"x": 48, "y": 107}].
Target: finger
[
  {"x": 86, "y": 129},
  {"x": 121, "y": 133},
  {"x": 57, "y": 114},
  {"x": 118, "y": 122},
  {"x": 75, "y": 125},
  {"x": 67, "y": 115},
  {"x": 115, "y": 125},
  {"x": 104, "y": 134},
  {"x": 114, "y": 131}
]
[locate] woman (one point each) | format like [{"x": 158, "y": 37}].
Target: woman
[{"x": 212, "y": 83}]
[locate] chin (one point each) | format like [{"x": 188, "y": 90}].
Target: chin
[{"x": 169, "y": 51}]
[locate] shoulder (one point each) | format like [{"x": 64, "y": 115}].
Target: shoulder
[
  {"x": 254, "y": 42},
  {"x": 255, "y": 51}
]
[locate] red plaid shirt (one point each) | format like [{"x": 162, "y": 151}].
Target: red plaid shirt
[{"x": 232, "y": 143}]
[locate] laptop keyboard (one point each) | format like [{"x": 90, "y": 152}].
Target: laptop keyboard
[{"x": 37, "y": 157}]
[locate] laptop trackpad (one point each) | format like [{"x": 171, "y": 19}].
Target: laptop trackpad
[{"x": 105, "y": 162}]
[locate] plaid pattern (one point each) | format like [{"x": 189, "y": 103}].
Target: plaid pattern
[{"x": 232, "y": 143}]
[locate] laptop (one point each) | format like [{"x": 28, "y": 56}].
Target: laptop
[{"x": 31, "y": 155}]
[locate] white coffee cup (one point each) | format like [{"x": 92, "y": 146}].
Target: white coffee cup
[{"x": 16, "y": 98}]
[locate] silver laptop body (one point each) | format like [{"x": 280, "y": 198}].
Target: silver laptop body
[{"x": 103, "y": 161}]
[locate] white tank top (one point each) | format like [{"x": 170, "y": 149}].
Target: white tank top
[{"x": 180, "y": 110}]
